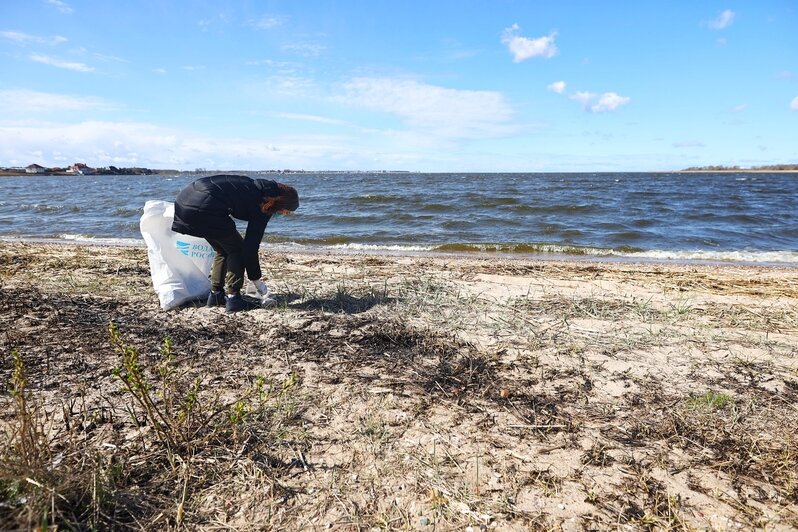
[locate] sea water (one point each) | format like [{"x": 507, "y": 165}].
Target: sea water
[{"x": 738, "y": 217}]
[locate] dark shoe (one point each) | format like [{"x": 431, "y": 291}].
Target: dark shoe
[
  {"x": 215, "y": 299},
  {"x": 235, "y": 303}
]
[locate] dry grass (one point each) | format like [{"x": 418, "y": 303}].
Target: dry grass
[{"x": 398, "y": 393}]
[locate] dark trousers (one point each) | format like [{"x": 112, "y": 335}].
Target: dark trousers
[{"x": 227, "y": 271}]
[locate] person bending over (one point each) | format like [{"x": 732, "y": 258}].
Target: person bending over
[{"x": 206, "y": 208}]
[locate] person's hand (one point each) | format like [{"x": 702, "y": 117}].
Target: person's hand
[{"x": 261, "y": 288}]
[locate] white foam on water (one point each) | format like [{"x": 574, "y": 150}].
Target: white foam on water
[
  {"x": 789, "y": 258},
  {"x": 758, "y": 257},
  {"x": 350, "y": 247},
  {"x": 85, "y": 239},
  {"x": 779, "y": 257},
  {"x": 380, "y": 247}
]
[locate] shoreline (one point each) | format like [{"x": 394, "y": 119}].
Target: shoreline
[
  {"x": 391, "y": 172},
  {"x": 541, "y": 257},
  {"x": 404, "y": 389}
]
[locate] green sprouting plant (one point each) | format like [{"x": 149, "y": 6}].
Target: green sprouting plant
[
  {"x": 132, "y": 376},
  {"x": 289, "y": 383},
  {"x": 259, "y": 388},
  {"x": 167, "y": 357},
  {"x": 189, "y": 403},
  {"x": 174, "y": 409},
  {"x": 28, "y": 438},
  {"x": 681, "y": 309},
  {"x": 238, "y": 413},
  {"x": 166, "y": 371},
  {"x": 710, "y": 400}
]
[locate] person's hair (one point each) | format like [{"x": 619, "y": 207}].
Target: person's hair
[{"x": 287, "y": 199}]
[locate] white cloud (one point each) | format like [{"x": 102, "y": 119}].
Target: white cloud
[
  {"x": 267, "y": 22},
  {"x": 262, "y": 62},
  {"x": 439, "y": 111},
  {"x": 285, "y": 84},
  {"x": 723, "y": 20},
  {"x": 63, "y": 7},
  {"x": 609, "y": 101},
  {"x": 583, "y": 97},
  {"x": 524, "y": 48},
  {"x": 109, "y": 58},
  {"x": 600, "y": 103},
  {"x": 28, "y": 101},
  {"x": 794, "y": 104},
  {"x": 739, "y": 108},
  {"x": 310, "y": 118},
  {"x": 304, "y": 49},
  {"x": 24, "y": 38},
  {"x": 557, "y": 86},
  {"x": 689, "y": 144},
  {"x": 130, "y": 143},
  {"x": 47, "y": 60}
]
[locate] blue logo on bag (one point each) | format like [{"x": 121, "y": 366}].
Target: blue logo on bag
[{"x": 195, "y": 251}]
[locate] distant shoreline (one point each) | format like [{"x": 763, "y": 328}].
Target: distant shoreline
[
  {"x": 741, "y": 171},
  {"x": 266, "y": 172},
  {"x": 6, "y": 173}
]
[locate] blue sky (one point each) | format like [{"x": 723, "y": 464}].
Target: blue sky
[{"x": 431, "y": 85}]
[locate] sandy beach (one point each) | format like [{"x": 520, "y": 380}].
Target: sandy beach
[{"x": 399, "y": 392}]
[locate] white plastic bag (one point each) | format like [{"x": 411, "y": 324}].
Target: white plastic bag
[{"x": 179, "y": 264}]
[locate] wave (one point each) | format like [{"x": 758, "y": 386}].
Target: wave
[
  {"x": 346, "y": 246},
  {"x": 757, "y": 257},
  {"x": 436, "y": 207},
  {"x": 346, "y": 219},
  {"x": 45, "y": 208},
  {"x": 330, "y": 241},
  {"x": 109, "y": 241},
  {"x": 126, "y": 212},
  {"x": 541, "y": 250},
  {"x": 743, "y": 256},
  {"x": 789, "y": 258},
  {"x": 493, "y": 201},
  {"x": 460, "y": 225},
  {"x": 382, "y": 247},
  {"x": 531, "y": 248},
  {"x": 782, "y": 257},
  {"x": 377, "y": 199},
  {"x": 644, "y": 222},
  {"x": 77, "y": 238},
  {"x": 563, "y": 208},
  {"x": 742, "y": 219}
]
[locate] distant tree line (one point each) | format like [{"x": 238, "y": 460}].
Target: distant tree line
[
  {"x": 136, "y": 170},
  {"x": 721, "y": 168}
]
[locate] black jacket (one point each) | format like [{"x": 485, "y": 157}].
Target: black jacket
[{"x": 204, "y": 209}]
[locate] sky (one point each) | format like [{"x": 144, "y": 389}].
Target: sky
[{"x": 425, "y": 86}]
